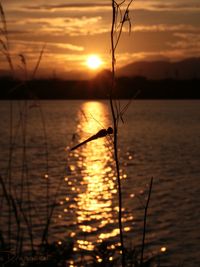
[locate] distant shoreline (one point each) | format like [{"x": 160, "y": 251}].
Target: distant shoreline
[{"x": 98, "y": 88}]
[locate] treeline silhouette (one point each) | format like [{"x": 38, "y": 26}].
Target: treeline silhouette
[{"x": 99, "y": 87}]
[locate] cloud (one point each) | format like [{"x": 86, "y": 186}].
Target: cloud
[
  {"x": 32, "y": 49},
  {"x": 177, "y": 6},
  {"x": 189, "y": 41},
  {"x": 166, "y": 27},
  {"x": 168, "y": 5},
  {"x": 72, "y": 26},
  {"x": 84, "y": 26},
  {"x": 70, "y": 47},
  {"x": 74, "y": 6}
]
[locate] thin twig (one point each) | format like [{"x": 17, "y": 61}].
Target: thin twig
[
  {"x": 145, "y": 221},
  {"x": 115, "y": 109}
]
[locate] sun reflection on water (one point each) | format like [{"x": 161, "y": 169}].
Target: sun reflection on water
[{"x": 95, "y": 201}]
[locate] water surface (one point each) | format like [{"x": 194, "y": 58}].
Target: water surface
[{"x": 159, "y": 139}]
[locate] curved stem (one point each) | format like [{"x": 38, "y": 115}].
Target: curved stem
[
  {"x": 145, "y": 221},
  {"x": 115, "y": 126}
]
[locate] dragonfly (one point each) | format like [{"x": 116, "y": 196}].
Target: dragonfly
[{"x": 99, "y": 134}]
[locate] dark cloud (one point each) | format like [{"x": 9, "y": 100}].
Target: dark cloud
[
  {"x": 173, "y": 6},
  {"x": 73, "y": 5},
  {"x": 18, "y": 32},
  {"x": 175, "y": 17}
]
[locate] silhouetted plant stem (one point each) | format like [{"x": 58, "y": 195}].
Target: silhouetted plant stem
[
  {"x": 44, "y": 239},
  {"x": 10, "y": 172},
  {"x": 145, "y": 221},
  {"x": 24, "y": 112},
  {"x": 4, "y": 40},
  {"x": 118, "y": 20},
  {"x": 11, "y": 203},
  {"x": 115, "y": 132},
  {"x": 48, "y": 212},
  {"x": 5, "y": 50}
]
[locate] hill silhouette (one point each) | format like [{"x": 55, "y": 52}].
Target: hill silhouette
[
  {"x": 154, "y": 70},
  {"x": 184, "y": 69}
]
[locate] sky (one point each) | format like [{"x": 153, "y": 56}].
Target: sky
[{"x": 72, "y": 30}]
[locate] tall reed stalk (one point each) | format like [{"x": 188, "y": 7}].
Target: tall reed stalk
[
  {"x": 5, "y": 50},
  {"x": 119, "y": 17},
  {"x": 16, "y": 199}
]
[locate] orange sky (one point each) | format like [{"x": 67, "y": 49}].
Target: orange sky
[{"x": 74, "y": 29}]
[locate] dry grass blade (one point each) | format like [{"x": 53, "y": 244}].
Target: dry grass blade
[
  {"x": 124, "y": 18},
  {"x": 145, "y": 221},
  {"x": 5, "y": 44},
  {"x": 38, "y": 62},
  {"x": 3, "y": 19},
  {"x": 23, "y": 66},
  {"x": 28, "y": 224},
  {"x": 23, "y": 59},
  {"x": 10, "y": 200}
]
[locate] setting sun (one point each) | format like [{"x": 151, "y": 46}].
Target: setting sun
[{"x": 94, "y": 62}]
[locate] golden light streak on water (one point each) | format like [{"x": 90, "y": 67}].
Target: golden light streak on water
[
  {"x": 83, "y": 244},
  {"x": 163, "y": 249},
  {"x": 112, "y": 233},
  {"x": 72, "y": 234},
  {"x": 95, "y": 200}
]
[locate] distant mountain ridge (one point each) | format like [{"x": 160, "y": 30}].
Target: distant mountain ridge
[
  {"x": 155, "y": 70},
  {"x": 184, "y": 69}
]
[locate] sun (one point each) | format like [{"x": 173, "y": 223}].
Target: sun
[{"x": 94, "y": 62}]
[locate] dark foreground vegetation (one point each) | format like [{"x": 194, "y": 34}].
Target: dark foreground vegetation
[
  {"x": 98, "y": 88},
  {"x": 63, "y": 255}
]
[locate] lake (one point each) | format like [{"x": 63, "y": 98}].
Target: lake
[{"x": 159, "y": 139}]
